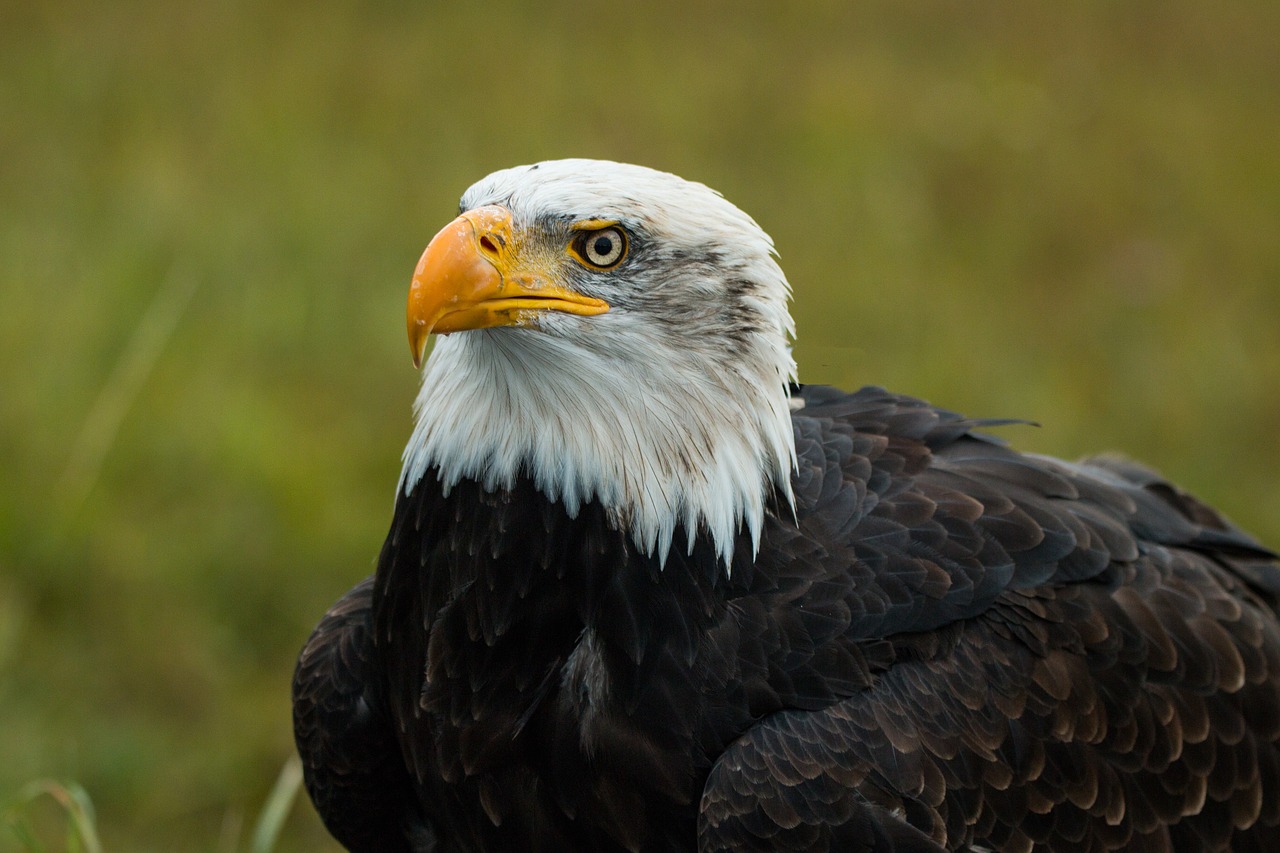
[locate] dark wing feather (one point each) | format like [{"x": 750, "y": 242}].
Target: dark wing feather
[
  {"x": 1056, "y": 656},
  {"x": 351, "y": 761}
]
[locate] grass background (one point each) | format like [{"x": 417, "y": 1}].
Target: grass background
[{"x": 209, "y": 214}]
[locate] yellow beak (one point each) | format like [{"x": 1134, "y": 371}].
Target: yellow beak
[{"x": 470, "y": 278}]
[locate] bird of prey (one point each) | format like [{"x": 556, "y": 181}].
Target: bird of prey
[{"x": 643, "y": 591}]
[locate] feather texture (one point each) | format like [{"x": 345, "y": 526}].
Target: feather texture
[{"x": 951, "y": 644}]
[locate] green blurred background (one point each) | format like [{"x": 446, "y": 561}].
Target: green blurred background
[{"x": 209, "y": 214}]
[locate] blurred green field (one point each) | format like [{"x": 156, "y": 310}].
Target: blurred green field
[{"x": 209, "y": 214}]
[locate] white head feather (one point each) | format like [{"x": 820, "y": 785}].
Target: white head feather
[{"x": 672, "y": 409}]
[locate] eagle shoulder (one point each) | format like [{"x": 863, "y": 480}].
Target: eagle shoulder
[
  {"x": 1054, "y": 653},
  {"x": 352, "y": 763}
]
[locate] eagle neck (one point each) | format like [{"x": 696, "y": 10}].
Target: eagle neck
[{"x": 669, "y": 452}]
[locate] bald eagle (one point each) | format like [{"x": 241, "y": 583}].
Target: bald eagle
[{"x": 644, "y": 592}]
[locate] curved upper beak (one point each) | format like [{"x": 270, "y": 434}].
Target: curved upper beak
[{"x": 471, "y": 277}]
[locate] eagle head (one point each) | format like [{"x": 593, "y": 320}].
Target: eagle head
[{"x": 617, "y": 334}]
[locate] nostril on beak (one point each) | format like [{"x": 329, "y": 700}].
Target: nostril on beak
[{"x": 489, "y": 245}]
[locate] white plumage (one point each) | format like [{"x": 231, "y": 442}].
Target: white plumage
[{"x": 592, "y": 410}]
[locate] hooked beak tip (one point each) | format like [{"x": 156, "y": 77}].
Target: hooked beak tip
[{"x": 417, "y": 341}]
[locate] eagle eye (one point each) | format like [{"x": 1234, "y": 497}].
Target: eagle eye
[{"x": 602, "y": 248}]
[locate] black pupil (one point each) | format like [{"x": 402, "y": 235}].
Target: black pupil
[{"x": 602, "y": 246}]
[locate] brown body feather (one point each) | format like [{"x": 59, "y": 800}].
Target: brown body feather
[{"x": 949, "y": 646}]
